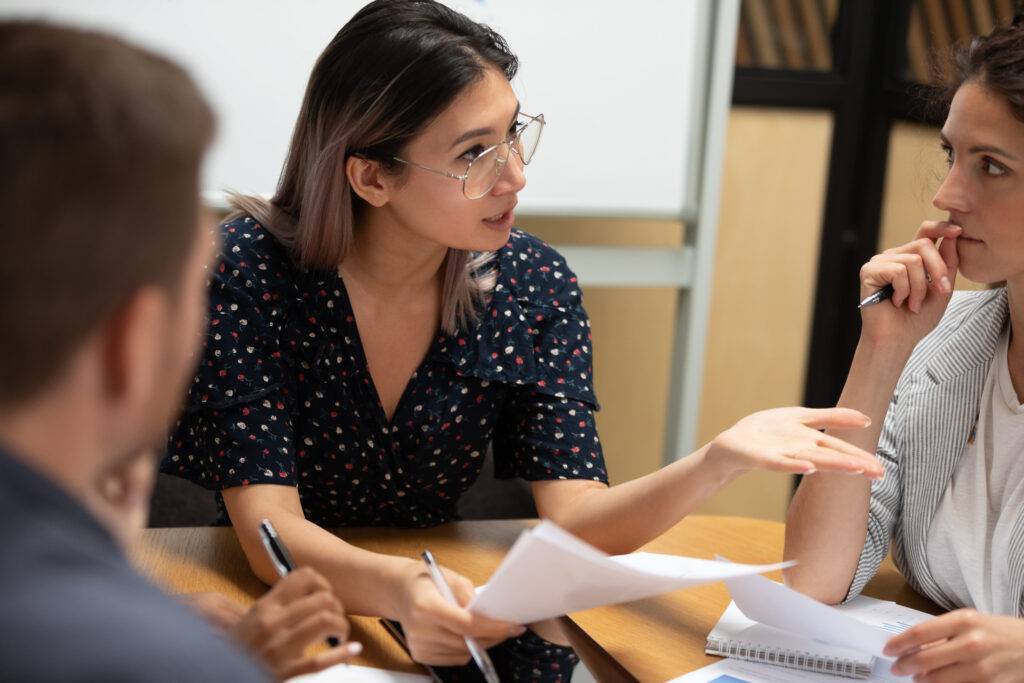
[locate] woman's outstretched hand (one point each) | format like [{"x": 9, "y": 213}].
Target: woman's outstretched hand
[{"x": 790, "y": 440}]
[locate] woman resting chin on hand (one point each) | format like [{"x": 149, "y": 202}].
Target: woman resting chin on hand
[{"x": 942, "y": 377}]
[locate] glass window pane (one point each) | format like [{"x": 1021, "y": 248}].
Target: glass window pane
[
  {"x": 786, "y": 34},
  {"x": 937, "y": 25}
]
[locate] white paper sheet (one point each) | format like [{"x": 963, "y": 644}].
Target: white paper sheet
[
  {"x": 771, "y": 603},
  {"x": 549, "y": 572},
  {"x": 350, "y": 673}
]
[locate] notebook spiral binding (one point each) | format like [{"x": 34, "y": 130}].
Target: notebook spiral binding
[{"x": 794, "y": 659}]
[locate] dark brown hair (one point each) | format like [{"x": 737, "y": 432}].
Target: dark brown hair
[
  {"x": 995, "y": 60},
  {"x": 100, "y": 148},
  {"x": 394, "y": 67}
]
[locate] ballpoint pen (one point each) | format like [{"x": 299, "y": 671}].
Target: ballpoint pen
[
  {"x": 881, "y": 295},
  {"x": 281, "y": 558},
  {"x": 483, "y": 661},
  {"x": 394, "y": 629}
]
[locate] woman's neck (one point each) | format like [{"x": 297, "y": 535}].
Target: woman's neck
[{"x": 387, "y": 260}]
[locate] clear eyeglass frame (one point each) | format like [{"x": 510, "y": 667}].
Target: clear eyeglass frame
[{"x": 512, "y": 145}]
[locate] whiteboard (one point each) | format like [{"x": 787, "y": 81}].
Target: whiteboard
[{"x": 618, "y": 82}]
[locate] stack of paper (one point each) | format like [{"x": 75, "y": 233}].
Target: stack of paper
[{"x": 549, "y": 572}]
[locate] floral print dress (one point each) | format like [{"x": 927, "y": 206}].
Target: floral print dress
[{"x": 283, "y": 395}]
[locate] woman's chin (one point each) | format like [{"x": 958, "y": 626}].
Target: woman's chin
[
  {"x": 976, "y": 273},
  {"x": 490, "y": 239}
]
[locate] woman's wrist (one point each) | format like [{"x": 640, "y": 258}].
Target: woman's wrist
[
  {"x": 714, "y": 465},
  {"x": 881, "y": 360},
  {"x": 398, "y": 573}
]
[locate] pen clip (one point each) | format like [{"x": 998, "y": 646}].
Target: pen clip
[{"x": 278, "y": 554}]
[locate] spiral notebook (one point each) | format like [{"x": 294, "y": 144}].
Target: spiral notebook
[{"x": 738, "y": 637}]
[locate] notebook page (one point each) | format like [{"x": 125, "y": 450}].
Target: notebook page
[{"x": 884, "y": 615}]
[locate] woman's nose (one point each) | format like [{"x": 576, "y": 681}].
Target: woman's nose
[{"x": 513, "y": 175}]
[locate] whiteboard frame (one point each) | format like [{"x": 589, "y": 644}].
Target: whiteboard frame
[{"x": 695, "y": 301}]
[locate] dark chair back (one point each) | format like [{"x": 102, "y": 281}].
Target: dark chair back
[{"x": 177, "y": 502}]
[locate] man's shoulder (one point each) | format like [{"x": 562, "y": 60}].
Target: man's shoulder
[{"x": 70, "y": 617}]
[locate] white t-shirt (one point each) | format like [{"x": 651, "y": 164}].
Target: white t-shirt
[{"x": 970, "y": 533}]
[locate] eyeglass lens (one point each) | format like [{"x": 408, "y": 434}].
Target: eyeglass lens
[{"x": 485, "y": 170}]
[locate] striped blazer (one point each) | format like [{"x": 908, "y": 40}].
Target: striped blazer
[{"x": 932, "y": 413}]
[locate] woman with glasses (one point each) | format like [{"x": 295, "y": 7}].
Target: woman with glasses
[{"x": 378, "y": 325}]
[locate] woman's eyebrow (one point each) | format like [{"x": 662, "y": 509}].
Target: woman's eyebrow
[
  {"x": 991, "y": 149},
  {"x": 480, "y": 132},
  {"x": 981, "y": 149},
  {"x": 470, "y": 134}
]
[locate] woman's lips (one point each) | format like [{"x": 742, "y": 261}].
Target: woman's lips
[{"x": 502, "y": 221}]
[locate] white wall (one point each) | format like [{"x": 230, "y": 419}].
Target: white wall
[{"x": 616, "y": 81}]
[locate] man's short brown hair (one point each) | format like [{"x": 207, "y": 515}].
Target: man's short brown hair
[{"x": 100, "y": 152}]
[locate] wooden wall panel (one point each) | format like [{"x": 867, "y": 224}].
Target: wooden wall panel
[{"x": 776, "y": 166}]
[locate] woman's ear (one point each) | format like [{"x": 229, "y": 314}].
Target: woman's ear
[{"x": 367, "y": 180}]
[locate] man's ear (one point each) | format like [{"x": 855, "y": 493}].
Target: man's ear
[
  {"x": 366, "y": 178},
  {"x": 134, "y": 339},
  {"x": 123, "y": 494}
]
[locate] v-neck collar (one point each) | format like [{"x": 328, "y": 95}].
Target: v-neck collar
[{"x": 363, "y": 365}]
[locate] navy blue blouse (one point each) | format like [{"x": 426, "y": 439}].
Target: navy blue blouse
[{"x": 283, "y": 394}]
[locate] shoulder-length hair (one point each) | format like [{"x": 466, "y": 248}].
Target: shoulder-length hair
[{"x": 394, "y": 67}]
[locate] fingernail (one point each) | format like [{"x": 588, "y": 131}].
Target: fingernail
[
  {"x": 518, "y": 631},
  {"x": 354, "y": 647},
  {"x": 946, "y": 286},
  {"x": 811, "y": 469},
  {"x": 867, "y": 421}
]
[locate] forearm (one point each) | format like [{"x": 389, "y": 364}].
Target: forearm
[
  {"x": 827, "y": 521},
  {"x": 367, "y": 583},
  {"x": 622, "y": 518}
]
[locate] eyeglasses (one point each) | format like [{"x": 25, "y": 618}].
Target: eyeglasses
[{"x": 483, "y": 172}]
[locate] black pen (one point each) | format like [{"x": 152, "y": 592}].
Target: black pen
[
  {"x": 879, "y": 296},
  {"x": 394, "y": 629},
  {"x": 281, "y": 558}
]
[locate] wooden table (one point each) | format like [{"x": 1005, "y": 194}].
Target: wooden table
[{"x": 649, "y": 640}]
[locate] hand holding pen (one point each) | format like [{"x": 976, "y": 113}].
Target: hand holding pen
[
  {"x": 435, "y": 622},
  {"x": 917, "y": 278},
  {"x": 479, "y": 655},
  {"x": 300, "y": 610}
]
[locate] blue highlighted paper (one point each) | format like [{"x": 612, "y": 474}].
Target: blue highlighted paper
[{"x": 726, "y": 678}]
